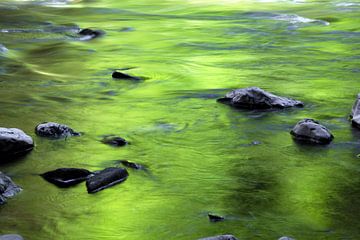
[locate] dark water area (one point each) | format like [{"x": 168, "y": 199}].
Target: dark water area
[{"x": 200, "y": 155}]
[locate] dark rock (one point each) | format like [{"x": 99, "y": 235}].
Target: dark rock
[
  {"x": 355, "y": 113},
  {"x": 256, "y": 98},
  {"x": 11, "y": 237},
  {"x": 120, "y": 75},
  {"x": 215, "y": 218},
  {"x": 133, "y": 165},
  {"x": 220, "y": 237},
  {"x": 91, "y": 33},
  {"x": 286, "y": 238},
  {"x": 66, "y": 177},
  {"x": 106, "y": 178},
  {"x": 114, "y": 141},
  {"x": 8, "y": 188},
  {"x": 310, "y": 131},
  {"x": 14, "y": 142},
  {"x": 54, "y": 130}
]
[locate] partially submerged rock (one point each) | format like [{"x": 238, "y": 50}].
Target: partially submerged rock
[
  {"x": 8, "y": 188},
  {"x": 66, "y": 177},
  {"x": 220, "y": 237},
  {"x": 133, "y": 165},
  {"x": 114, "y": 141},
  {"x": 257, "y": 98},
  {"x": 3, "y": 49},
  {"x": 54, "y": 130},
  {"x": 90, "y": 34},
  {"x": 14, "y": 142},
  {"x": 11, "y": 237},
  {"x": 215, "y": 218},
  {"x": 120, "y": 75},
  {"x": 311, "y": 131},
  {"x": 286, "y": 238},
  {"x": 105, "y": 179},
  {"x": 355, "y": 113}
]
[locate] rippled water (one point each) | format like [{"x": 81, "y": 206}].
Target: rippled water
[{"x": 198, "y": 152}]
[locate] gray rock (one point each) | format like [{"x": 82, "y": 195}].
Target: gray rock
[
  {"x": 310, "y": 131},
  {"x": 257, "y": 98},
  {"x": 220, "y": 237},
  {"x": 14, "y": 142},
  {"x": 11, "y": 237},
  {"x": 66, "y": 177},
  {"x": 286, "y": 238},
  {"x": 106, "y": 178},
  {"x": 8, "y": 188},
  {"x": 54, "y": 130},
  {"x": 355, "y": 113}
]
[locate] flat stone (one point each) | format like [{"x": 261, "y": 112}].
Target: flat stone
[
  {"x": 11, "y": 237},
  {"x": 8, "y": 188},
  {"x": 355, "y": 113},
  {"x": 66, "y": 177},
  {"x": 311, "y": 131},
  {"x": 14, "y": 142},
  {"x": 54, "y": 130},
  {"x": 220, "y": 237},
  {"x": 257, "y": 98},
  {"x": 105, "y": 179}
]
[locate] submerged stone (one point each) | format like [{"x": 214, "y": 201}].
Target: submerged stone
[
  {"x": 133, "y": 165},
  {"x": 257, "y": 98},
  {"x": 355, "y": 113},
  {"x": 310, "y": 131},
  {"x": 54, "y": 130},
  {"x": 220, "y": 237},
  {"x": 91, "y": 33},
  {"x": 11, "y": 237},
  {"x": 286, "y": 238},
  {"x": 66, "y": 177},
  {"x": 14, "y": 142},
  {"x": 120, "y": 75},
  {"x": 215, "y": 218},
  {"x": 105, "y": 179},
  {"x": 114, "y": 141},
  {"x": 8, "y": 188}
]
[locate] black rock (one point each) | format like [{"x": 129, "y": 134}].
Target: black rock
[
  {"x": 256, "y": 98},
  {"x": 355, "y": 113},
  {"x": 133, "y": 165},
  {"x": 220, "y": 237},
  {"x": 310, "y": 131},
  {"x": 114, "y": 141},
  {"x": 11, "y": 237},
  {"x": 54, "y": 130},
  {"x": 8, "y": 188},
  {"x": 91, "y": 33},
  {"x": 106, "y": 178},
  {"x": 215, "y": 218},
  {"x": 120, "y": 75},
  {"x": 14, "y": 142},
  {"x": 66, "y": 177}
]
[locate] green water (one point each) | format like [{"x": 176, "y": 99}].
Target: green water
[{"x": 198, "y": 151}]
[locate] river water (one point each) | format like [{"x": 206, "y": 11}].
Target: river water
[{"x": 199, "y": 153}]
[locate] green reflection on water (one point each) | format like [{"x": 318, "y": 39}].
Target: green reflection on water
[{"x": 198, "y": 151}]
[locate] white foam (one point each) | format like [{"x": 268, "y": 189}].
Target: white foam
[{"x": 293, "y": 18}]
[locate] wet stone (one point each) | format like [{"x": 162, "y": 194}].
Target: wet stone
[
  {"x": 66, "y": 177},
  {"x": 120, "y": 75},
  {"x": 8, "y": 188},
  {"x": 355, "y": 113},
  {"x": 220, "y": 237},
  {"x": 114, "y": 141},
  {"x": 54, "y": 130},
  {"x": 215, "y": 218},
  {"x": 286, "y": 238},
  {"x": 257, "y": 98},
  {"x": 11, "y": 237},
  {"x": 14, "y": 142},
  {"x": 311, "y": 131},
  {"x": 91, "y": 33},
  {"x": 106, "y": 178},
  {"x": 133, "y": 165}
]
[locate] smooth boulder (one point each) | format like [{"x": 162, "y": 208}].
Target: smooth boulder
[
  {"x": 220, "y": 237},
  {"x": 106, "y": 178},
  {"x": 14, "y": 142},
  {"x": 66, "y": 177},
  {"x": 355, "y": 113},
  {"x": 11, "y": 237},
  {"x": 311, "y": 131},
  {"x": 114, "y": 141},
  {"x": 8, "y": 188},
  {"x": 257, "y": 98},
  {"x": 54, "y": 130}
]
